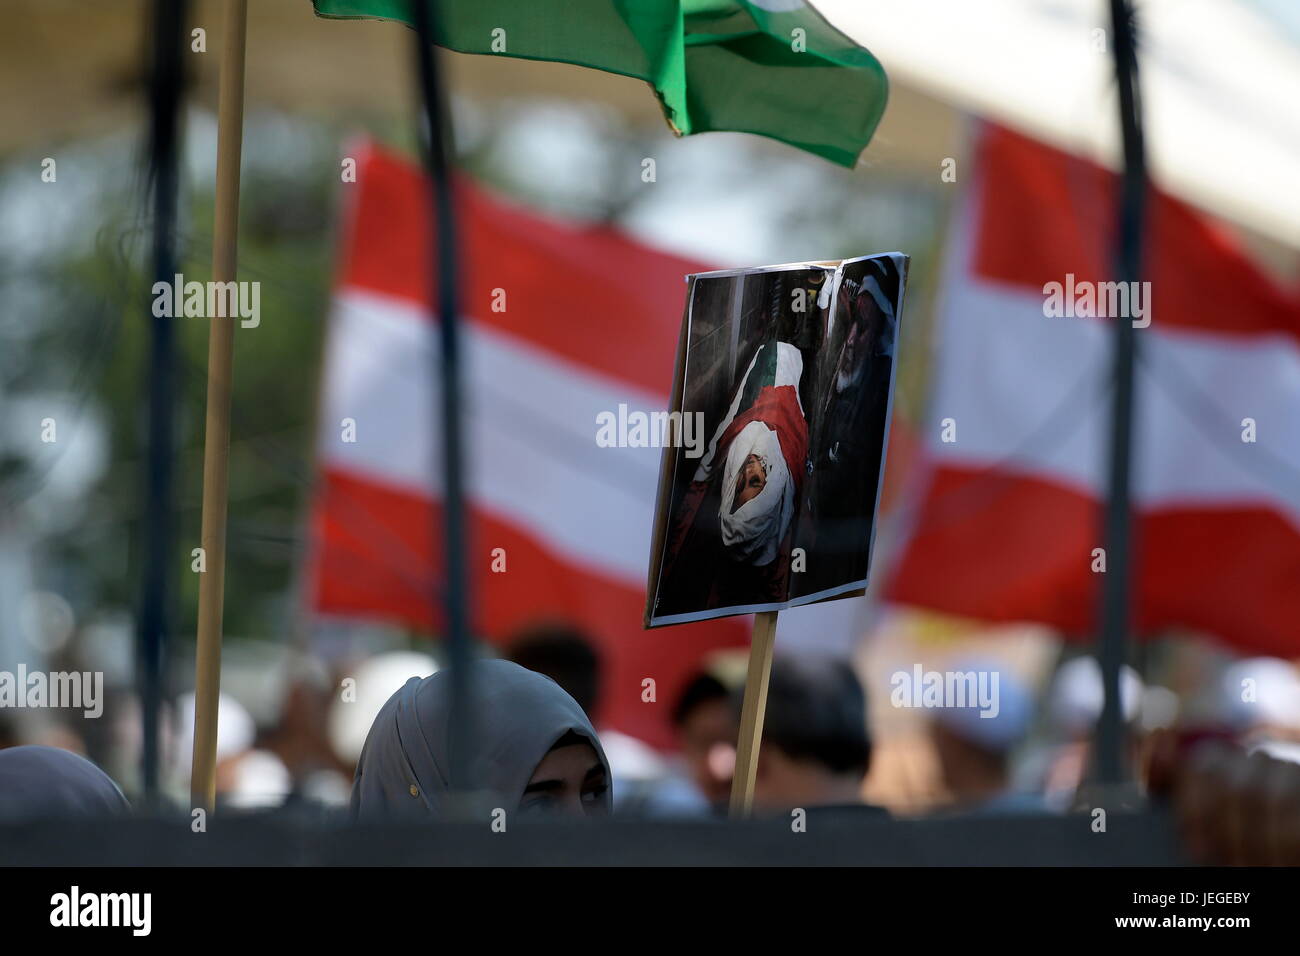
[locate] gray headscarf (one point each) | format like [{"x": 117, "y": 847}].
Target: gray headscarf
[
  {"x": 519, "y": 715},
  {"x": 38, "y": 782}
]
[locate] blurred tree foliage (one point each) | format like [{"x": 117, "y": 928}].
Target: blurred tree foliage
[{"x": 91, "y": 343}]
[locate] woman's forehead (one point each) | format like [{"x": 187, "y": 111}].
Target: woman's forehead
[{"x": 573, "y": 759}]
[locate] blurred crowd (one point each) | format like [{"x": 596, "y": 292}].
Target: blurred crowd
[{"x": 1226, "y": 757}]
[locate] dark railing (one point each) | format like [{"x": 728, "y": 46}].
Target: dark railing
[{"x": 1130, "y": 839}]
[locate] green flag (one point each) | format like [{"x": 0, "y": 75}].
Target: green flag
[{"x": 771, "y": 67}]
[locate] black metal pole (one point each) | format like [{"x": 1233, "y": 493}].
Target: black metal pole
[
  {"x": 455, "y": 598},
  {"x": 1117, "y": 617},
  {"x": 166, "y": 83}
]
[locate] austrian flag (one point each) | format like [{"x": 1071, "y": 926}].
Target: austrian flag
[
  {"x": 562, "y": 325},
  {"x": 1010, "y": 522}
]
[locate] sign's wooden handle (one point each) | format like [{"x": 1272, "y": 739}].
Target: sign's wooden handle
[{"x": 752, "y": 712}]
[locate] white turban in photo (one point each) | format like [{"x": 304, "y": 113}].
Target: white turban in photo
[{"x": 754, "y": 531}]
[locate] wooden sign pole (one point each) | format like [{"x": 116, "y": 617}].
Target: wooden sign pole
[
  {"x": 216, "y": 448},
  {"x": 752, "y": 711}
]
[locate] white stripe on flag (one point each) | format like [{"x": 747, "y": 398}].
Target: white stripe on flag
[
  {"x": 530, "y": 431},
  {"x": 1027, "y": 394}
]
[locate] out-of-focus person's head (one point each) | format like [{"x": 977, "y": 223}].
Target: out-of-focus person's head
[
  {"x": 372, "y": 683},
  {"x": 706, "y": 734},
  {"x": 534, "y": 749},
  {"x": 1075, "y": 697},
  {"x": 1260, "y": 700},
  {"x": 974, "y": 742},
  {"x": 245, "y": 776},
  {"x": 1233, "y": 808},
  {"x": 236, "y": 730},
  {"x": 1074, "y": 702},
  {"x": 47, "y": 783},
  {"x": 565, "y": 655},
  {"x": 816, "y": 750}
]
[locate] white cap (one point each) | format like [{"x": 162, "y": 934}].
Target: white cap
[
  {"x": 1261, "y": 691},
  {"x": 1001, "y": 726},
  {"x": 1076, "y": 696},
  {"x": 235, "y": 728},
  {"x": 260, "y": 780},
  {"x": 376, "y": 680}
]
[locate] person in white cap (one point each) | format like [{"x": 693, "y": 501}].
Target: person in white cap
[
  {"x": 974, "y": 745},
  {"x": 1074, "y": 705},
  {"x": 247, "y": 776},
  {"x": 1261, "y": 705}
]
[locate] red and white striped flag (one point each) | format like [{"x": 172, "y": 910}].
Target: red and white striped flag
[
  {"x": 561, "y": 323},
  {"x": 1018, "y": 424}
]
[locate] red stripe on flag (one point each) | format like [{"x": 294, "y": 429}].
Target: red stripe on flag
[
  {"x": 1044, "y": 213},
  {"x": 373, "y": 559},
  {"x": 565, "y": 285},
  {"x": 1009, "y": 547},
  {"x": 1000, "y": 547}
]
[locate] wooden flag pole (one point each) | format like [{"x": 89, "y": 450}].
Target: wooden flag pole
[
  {"x": 216, "y": 448},
  {"x": 752, "y": 711}
]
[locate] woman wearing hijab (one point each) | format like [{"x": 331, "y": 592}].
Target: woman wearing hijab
[
  {"x": 48, "y": 782},
  {"x": 535, "y": 751}
]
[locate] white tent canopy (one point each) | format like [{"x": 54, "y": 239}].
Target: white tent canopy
[{"x": 1219, "y": 84}]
